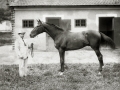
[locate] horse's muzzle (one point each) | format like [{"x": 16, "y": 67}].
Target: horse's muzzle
[{"x": 31, "y": 36}]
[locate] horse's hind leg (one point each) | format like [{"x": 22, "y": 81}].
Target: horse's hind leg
[{"x": 100, "y": 58}]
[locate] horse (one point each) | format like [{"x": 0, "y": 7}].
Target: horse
[{"x": 65, "y": 41}]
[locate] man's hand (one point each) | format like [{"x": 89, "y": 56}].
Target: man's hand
[
  {"x": 20, "y": 57},
  {"x": 25, "y": 58}
]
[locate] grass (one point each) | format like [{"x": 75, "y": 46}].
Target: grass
[{"x": 46, "y": 77}]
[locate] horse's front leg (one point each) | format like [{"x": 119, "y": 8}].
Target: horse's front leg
[{"x": 62, "y": 54}]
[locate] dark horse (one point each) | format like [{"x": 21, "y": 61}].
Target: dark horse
[{"x": 65, "y": 40}]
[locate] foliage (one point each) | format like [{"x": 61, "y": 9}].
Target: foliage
[{"x": 5, "y": 14}]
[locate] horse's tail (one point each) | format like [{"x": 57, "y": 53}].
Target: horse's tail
[{"x": 105, "y": 40}]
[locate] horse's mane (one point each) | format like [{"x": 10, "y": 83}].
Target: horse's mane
[{"x": 55, "y": 26}]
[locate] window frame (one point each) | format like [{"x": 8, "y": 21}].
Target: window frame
[
  {"x": 80, "y": 23},
  {"x": 27, "y": 23}
]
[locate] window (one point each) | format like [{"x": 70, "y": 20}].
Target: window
[
  {"x": 80, "y": 22},
  {"x": 28, "y": 23}
]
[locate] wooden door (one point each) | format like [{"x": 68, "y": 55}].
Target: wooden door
[
  {"x": 65, "y": 24},
  {"x": 50, "y": 42},
  {"x": 116, "y": 28}
]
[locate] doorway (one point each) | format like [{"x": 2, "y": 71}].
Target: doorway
[
  {"x": 50, "y": 42},
  {"x": 53, "y": 20},
  {"x": 106, "y": 26}
]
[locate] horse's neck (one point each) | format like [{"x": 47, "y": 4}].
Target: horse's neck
[{"x": 52, "y": 31}]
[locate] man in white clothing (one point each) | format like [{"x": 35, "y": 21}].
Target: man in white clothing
[{"x": 21, "y": 49}]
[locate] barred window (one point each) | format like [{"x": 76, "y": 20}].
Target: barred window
[
  {"x": 28, "y": 23},
  {"x": 80, "y": 22}
]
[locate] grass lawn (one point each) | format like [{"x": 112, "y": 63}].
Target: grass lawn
[{"x": 46, "y": 77}]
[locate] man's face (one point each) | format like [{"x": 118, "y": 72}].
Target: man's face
[{"x": 21, "y": 35}]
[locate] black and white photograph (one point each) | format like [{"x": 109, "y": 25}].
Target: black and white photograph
[{"x": 59, "y": 44}]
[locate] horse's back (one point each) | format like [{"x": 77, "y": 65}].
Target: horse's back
[
  {"x": 77, "y": 40},
  {"x": 93, "y": 32},
  {"x": 73, "y": 40},
  {"x": 85, "y": 38},
  {"x": 83, "y": 35}
]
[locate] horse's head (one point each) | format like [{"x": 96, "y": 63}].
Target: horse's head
[{"x": 37, "y": 30}]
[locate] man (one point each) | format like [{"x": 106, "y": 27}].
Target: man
[{"x": 21, "y": 49}]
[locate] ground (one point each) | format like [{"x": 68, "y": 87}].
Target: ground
[
  {"x": 82, "y": 72},
  {"x": 46, "y": 77}
]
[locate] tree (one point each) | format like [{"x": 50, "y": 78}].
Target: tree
[{"x": 5, "y": 14}]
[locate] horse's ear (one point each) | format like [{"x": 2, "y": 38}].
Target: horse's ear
[{"x": 39, "y": 22}]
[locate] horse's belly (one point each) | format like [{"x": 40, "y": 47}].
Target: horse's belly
[{"x": 73, "y": 45}]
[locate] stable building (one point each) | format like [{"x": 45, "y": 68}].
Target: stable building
[{"x": 71, "y": 15}]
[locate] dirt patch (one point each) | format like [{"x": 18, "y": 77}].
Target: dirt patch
[{"x": 8, "y": 56}]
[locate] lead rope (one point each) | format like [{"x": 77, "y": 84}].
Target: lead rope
[
  {"x": 24, "y": 42},
  {"x": 31, "y": 48},
  {"x": 32, "y": 54}
]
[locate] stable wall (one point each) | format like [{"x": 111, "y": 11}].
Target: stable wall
[{"x": 90, "y": 14}]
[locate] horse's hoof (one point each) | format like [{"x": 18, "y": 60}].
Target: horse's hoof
[
  {"x": 103, "y": 67},
  {"x": 99, "y": 74},
  {"x": 60, "y": 73}
]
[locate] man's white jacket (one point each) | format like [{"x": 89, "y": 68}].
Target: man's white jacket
[{"x": 21, "y": 48}]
